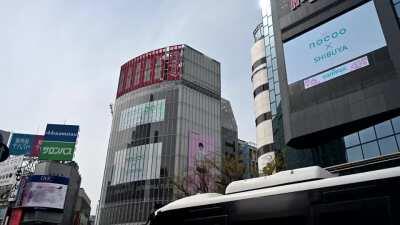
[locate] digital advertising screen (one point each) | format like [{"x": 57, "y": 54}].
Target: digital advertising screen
[
  {"x": 334, "y": 48},
  {"x": 45, "y": 192}
]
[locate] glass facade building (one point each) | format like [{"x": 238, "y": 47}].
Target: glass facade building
[
  {"x": 367, "y": 142},
  {"x": 168, "y": 104}
]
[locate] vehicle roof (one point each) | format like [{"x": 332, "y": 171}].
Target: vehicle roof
[{"x": 213, "y": 198}]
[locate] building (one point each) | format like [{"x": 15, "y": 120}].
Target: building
[
  {"x": 229, "y": 131},
  {"x": 333, "y": 69},
  {"x": 167, "y": 118},
  {"x": 82, "y": 209},
  {"x": 248, "y": 152},
  {"x": 49, "y": 214},
  {"x": 262, "y": 96}
]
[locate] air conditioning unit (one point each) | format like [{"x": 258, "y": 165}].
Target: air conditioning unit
[{"x": 279, "y": 179}]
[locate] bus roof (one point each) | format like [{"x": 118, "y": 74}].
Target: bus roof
[{"x": 213, "y": 198}]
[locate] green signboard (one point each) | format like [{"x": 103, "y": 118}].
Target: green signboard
[{"x": 55, "y": 150}]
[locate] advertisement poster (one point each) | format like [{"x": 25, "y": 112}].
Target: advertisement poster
[
  {"x": 345, "y": 38},
  {"x": 59, "y": 142},
  {"x": 58, "y": 151},
  {"x": 63, "y": 133},
  {"x": 201, "y": 153},
  {"x": 149, "y": 112},
  {"x": 8, "y": 169},
  {"x": 45, "y": 192},
  {"x": 21, "y": 144},
  {"x": 37, "y": 143},
  {"x": 137, "y": 163}
]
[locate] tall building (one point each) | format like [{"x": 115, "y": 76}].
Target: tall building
[
  {"x": 262, "y": 96},
  {"x": 248, "y": 153},
  {"x": 229, "y": 131},
  {"x": 333, "y": 68},
  {"x": 167, "y": 116}
]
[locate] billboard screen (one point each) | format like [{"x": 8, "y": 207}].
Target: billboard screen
[
  {"x": 137, "y": 163},
  {"x": 25, "y": 144},
  {"x": 149, "y": 112},
  {"x": 45, "y": 192},
  {"x": 345, "y": 38},
  {"x": 8, "y": 170}
]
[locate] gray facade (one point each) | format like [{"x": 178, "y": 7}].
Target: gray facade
[
  {"x": 82, "y": 209},
  {"x": 151, "y": 135},
  {"x": 229, "y": 131}
]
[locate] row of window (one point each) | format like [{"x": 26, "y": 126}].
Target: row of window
[
  {"x": 272, "y": 64},
  {"x": 381, "y": 139}
]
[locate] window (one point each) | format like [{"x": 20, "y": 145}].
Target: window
[
  {"x": 388, "y": 145},
  {"x": 147, "y": 70},
  {"x": 370, "y": 150},
  {"x": 351, "y": 140},
  {"x": 354, "y": 154},
  {"x": 384, "y": 129},
  {"x": 397, "y": 8},
  {"x": 367, "y": 135},
  {"x": 396, "y": 123}
]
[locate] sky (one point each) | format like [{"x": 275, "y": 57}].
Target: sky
[{"x": 60, "y": 62}]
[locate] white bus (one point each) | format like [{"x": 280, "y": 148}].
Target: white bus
[{"x": 308, "y": 196}]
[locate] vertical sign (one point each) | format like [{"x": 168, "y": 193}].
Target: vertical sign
[{"x": 16, "y": 216}]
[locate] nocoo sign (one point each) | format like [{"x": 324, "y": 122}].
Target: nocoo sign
[{"x": 59, "y": 142}]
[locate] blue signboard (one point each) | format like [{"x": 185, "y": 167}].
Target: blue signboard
[
  {"x": 61, "y": 133},
  {"x": 49, "y": 179},
  {"x": 21, "y": 144}
]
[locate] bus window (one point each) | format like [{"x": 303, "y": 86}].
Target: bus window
[
  {"x": 212, "y": 220},
  {"x": 374, "y": 211}
]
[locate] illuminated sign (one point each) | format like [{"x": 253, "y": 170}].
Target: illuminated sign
[
  {"x": 334, "y": 43},
  {"x": 336, "y": 72}
]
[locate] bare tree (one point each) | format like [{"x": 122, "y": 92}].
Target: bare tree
[{"x": 210, "y": 177}]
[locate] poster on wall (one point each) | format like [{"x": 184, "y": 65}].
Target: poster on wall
[
  {"x": 45, "y": 191},
  {"x": 343, "y": 39},
  {"x": 149, "y": 112},
  {"x": 137, "y": 163},
  {"x": 59, "y": 142},
  {"x": 201, "y": 153}
]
